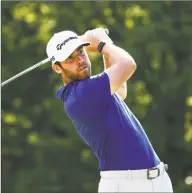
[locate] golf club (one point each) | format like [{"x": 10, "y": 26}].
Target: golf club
[{"x": 25, "y": 71}]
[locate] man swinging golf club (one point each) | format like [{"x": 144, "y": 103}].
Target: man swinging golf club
[{"x": 127, "y": 160}]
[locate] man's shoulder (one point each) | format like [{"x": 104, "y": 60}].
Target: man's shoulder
[
  {"x": 85, "y": 90},
  {"x": 73, "y": 90},
  {"x": 94, "y": 82}
]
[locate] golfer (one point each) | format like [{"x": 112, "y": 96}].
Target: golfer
[{"x": 96, "y": 107}]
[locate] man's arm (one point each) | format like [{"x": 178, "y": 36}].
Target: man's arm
[
  {"x": 123, "y": 68},
  {"x": 122, "y": 91},
  {"x": 124, "y": 65}
]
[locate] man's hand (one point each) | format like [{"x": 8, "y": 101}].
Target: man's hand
[{"x": 95, "y": 36}]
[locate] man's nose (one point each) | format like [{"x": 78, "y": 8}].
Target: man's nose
[{"x": 80, "y": 59}]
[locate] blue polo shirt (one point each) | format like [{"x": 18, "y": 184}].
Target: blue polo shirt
[{"x": 107, "y": 125}]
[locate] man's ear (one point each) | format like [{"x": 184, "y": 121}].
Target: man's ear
[{"x": 57, "y": 68}]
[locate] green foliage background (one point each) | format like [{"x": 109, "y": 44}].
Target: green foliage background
[{"x": 41, "y": 152}]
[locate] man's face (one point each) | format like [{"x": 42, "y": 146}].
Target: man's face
[{"x": 76, "y": 67}]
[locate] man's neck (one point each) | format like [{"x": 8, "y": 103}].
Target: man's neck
[{"x": 65, "y": 80}]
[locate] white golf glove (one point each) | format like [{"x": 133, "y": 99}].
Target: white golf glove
[{"x": 102, "y": 34}]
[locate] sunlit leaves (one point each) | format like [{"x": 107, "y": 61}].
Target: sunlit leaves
[
  {"x": 133, "y": 13},
  {"x": 12, "y": 119},
  {"x": 86, "y": 154},
  {"x": 98, "y": 23},
  {"x": 188, "y": 134},
  {"x": 45, "y": 9},
  {"x": 189, "y": 101},
  {"x": 26, "y": 11},
  {"x": 188, "y": 120},
  {"x": 141, "y": 97},
  {"x": 10, "y": 36},
  {"x": 33, "y": 137},
  {"x": 188, "y": 180},
  {"x": 9, "y": 118},
  {"x": 136, "y": 11},
  {"x": 46, "y": 25},
  {"x": 155, "y": 62},
  {"x": 108, "y": 14},
  {"x": 129, "y": 23}
]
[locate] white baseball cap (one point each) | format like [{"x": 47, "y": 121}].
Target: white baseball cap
[{"x": 62, "y": 45}]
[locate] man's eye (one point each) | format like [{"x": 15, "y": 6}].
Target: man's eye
[{"x": 81, "y": 51}]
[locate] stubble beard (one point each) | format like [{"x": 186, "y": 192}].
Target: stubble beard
[{"x": 76, "y": 76}]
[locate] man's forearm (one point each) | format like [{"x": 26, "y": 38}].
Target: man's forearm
[{"x": 122, "y": 91}]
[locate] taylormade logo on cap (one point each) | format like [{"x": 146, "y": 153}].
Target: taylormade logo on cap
[
  {"x": 62, "y": 45},
  {"x": 59, "y": 46}
]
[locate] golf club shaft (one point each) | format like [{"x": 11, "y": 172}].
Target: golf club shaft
[{"x": 25, "y": 71}]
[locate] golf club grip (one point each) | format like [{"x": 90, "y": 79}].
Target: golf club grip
[{"x": 24, "y": 72}]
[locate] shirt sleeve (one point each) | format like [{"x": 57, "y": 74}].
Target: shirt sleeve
[{"x": 95, "y": 90}]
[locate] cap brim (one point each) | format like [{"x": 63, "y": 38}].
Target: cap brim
[{"x": 84, "y": 44}]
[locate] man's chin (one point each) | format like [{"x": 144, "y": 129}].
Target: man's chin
[
  {"x": 84, "y": 74},
  {"x": 84, "y": 77}
]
